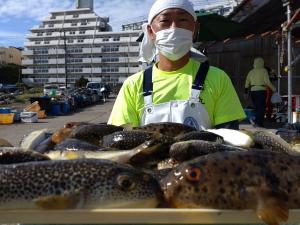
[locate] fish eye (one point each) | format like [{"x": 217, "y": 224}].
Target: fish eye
[
  {"x": 193, "y": 174},
  {"x": 125, "y": 182}
]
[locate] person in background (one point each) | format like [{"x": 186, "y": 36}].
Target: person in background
[
  {"x": 269, "y": 107},
  {"x": 181, "y": 87},
  {"x": 257, "y": 82}
]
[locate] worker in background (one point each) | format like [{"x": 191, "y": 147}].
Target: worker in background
[
  {"x": 269, "y": 92},
  {"x": 257, "y": 82},
  {"x": 181, "y": 87}
]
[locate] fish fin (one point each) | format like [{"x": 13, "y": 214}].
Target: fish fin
[
  {"x": 67, "y": 200},
  {"x": 219, "y": 141},
  {"x": 271, "y": 206}
]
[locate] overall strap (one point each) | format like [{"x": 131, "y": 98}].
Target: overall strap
[
  {"x": 148, "y": 86},
  {"x": 199, "y": 80}
]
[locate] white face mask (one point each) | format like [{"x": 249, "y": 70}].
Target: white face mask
[{"x": 174, "y": 43}]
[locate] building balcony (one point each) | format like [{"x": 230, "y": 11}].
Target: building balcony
[
  {"x": 27, "y": 71},
  {"x": 27, "y": 53},
  {"x": 53, "y": 18},
  {"x": 37, "y": 27},
  {"x": 56, "y": 61},
  {"x": 56, "y": 51},
  {"x": 26, "y": 62},
  {"x": 128, "y": 60},
  {"x": 56, "y": 71},
  {"x": 81, "y": 16},
  {"x": 97, "y": 70}
]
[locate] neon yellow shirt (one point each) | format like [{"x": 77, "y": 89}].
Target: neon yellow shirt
[{"x": 219, "y": 96}]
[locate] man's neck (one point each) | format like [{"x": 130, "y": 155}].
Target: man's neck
[{"x": 165, "y": 64}]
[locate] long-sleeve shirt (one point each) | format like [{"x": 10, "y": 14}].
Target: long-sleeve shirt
[{"x": 258, "y": 78}]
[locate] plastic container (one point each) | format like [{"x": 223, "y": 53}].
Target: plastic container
[
  {"x": 55, "y": 109},
  {"x": 29, "y": 117},
  {"x": 65, "y": 108},
  {"x": 7, "y": 118},
  {"x": 41, "y": 114},
  {"x": 17, "y": 117},
  {"x": 5, "y": 110},
  {"x": 44, "y": 102},
  {"x": 249, "y": 114},
  {"x": 33, "y": 107}
]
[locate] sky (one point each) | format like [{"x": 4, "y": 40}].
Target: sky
[{"x": 18, "y": 16}]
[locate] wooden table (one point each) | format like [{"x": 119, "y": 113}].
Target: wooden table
[{"x": 135, "y": 216}]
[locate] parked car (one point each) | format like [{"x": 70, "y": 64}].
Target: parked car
[
  {"x": 50, "y": 89},
  {"x": 98, "y": 88}
]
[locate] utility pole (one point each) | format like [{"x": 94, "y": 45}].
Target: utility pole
[
  {"x": 66, "y": 65},
  {"x": 286, "y": 3}
]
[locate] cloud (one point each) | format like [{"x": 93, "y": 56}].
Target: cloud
[
  {"x": 34, "y": 9},
  {"x": 123, "y": 11},
  {"x": 8, "y": 38}
]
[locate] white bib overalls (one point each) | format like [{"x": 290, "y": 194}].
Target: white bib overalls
[{"x": 190, "y": 112}]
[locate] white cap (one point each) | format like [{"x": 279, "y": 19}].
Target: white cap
[
  {"x": 148, "y": 50},
  {"x": 161, "y": 5}
]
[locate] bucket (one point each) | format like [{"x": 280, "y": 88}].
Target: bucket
[
  {"x": 296, "y": 117},
  {"x": 55, "y": 109},
  {"x": 7, "y": 118},
  {"x": 29, "y": 117},
  {"x": 5, "y": 110},
  {"x": 41, "y": 114},
  {"x": 249, "y": 114}
]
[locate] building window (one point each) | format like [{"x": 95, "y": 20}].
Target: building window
[
  {"x": 53, "y": 17},
  {"x": 80, "y": 40},
  {"x": 51, "y": 25},
  {"x": 83, "y": 23},
  {"x": 110, "y": 59},
  {"x": 39, "y": 34},
  {"x": 116, "y": 39},
  {"x": 49, "y": 33},
  {"x": 72, "y": 32},
  {"x": 46, "y": 42},
  {"x": 37, "y": 42},
  {"x": 105, "y": 39},
  {"x": 70, "y": 41},
  {"x": 75, "y": 16},
  {"x": 82, "y": 32},
  {"x": 73, "y": 24},
  {"x": 110, "y": 69}
]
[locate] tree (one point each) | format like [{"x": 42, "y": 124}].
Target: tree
[
  {"x": 9, "y": 73},
  {"x": 81, "y": 82}
]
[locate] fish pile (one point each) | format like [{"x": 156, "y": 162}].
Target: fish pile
[{"x": 89, "y": 166}]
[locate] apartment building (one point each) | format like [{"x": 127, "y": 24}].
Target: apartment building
[
  {"x": 74, "y": 43},
  {"x": 10, "y": 55}
]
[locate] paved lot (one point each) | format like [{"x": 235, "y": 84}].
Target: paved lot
[{"x": 95, "y": 114}]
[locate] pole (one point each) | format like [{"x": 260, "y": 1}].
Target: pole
[
  {"x": 66, "y": 66},
  {"x": 289, "y": 49},
  {"x": 278, "y": 69}
]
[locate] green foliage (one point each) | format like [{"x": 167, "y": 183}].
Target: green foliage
[
  {"x": 9, "y": 74},
  {"x": 81, "y": 82}
]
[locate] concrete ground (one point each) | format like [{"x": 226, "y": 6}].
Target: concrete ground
[{"x": 95, "y": 114}]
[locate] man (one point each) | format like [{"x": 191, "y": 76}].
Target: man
[
  {"x": 258, "y": 81},
  {"x": 178, "y": 88}
]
